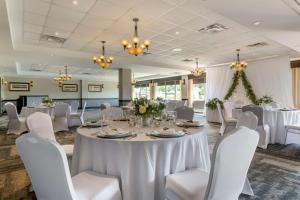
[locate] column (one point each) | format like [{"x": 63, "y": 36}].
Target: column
[
  {"x": 190, "y": 92},
  {"x": 184, "y": 89},
  {"x": 125, "y": 87}
]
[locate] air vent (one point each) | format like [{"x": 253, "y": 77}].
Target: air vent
[
  {"x": 86, "y": 73},
  {"x": 146, "y": 53},
  {"x": 53, "y": 39},
  {"x": 258, "y": 44},
  {"x": 213, "y": 28},
  {"x": 35, "y": 70},
  {"x": 187, "y": 60}
]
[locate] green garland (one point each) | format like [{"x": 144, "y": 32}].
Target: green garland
[{"x": 235, "y": 81}]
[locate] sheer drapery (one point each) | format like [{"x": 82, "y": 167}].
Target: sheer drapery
[
  {"x": 296, "y": 86},
  {"x": 267, "y": 77}
]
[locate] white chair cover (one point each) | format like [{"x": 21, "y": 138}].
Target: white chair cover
[
  {"x": 295, "y": 130},
  {"x": 76, "y": 119},
  {"x": 198, "y": 105},
  {"x": 112, "y": 113},
  {"x": 171, "y": 106},
  {"x": 16, "y": 124},
  {"x": 227, "y": 125},
  {"x": 247, "y": 119},
  {"x": 47, "y": 167},
  {"x": 263, "y": 129},
  {"x": 74, "y": 106},
  {"x": 61, "y": 113},
  {"x": 179, "y": 104},
  {"x": 228, "y": 106},
  {"x": 41, "y": 124},
  {"x": 185, "y": 112},
  {"x": 226, "y": 179}
]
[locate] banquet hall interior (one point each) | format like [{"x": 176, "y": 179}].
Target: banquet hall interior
[{"x": 150, "y": 99}]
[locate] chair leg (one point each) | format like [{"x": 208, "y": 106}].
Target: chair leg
[{"x": 286, "y": 134}]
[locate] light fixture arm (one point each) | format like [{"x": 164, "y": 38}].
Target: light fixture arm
[
  {"x": 238, "y": 55},
  {"x": 103, "y": 48},
  {"x": 197, "y": 63},
  {"x": 135, "y": 26}
]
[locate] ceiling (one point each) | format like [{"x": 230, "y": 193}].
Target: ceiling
[{"x": 168, "y": 24}]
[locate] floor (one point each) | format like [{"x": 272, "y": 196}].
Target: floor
[{"x": 274, "y": 174}]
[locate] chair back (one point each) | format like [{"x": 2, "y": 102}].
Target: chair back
[
  {"x": 83, "y": 109},
  {"x": 228, "y": 106},
  {"x": 185, "y": 112},
  {"x": 231, "y": 160},
  {"x": 221, "y": 114},
  {"x": 179, "y": 104},
  {"x": 112, "y": 113},
  {"x": 171, "y": 105},
  {"x": 61, "y": 110},
  {"x": 257, "y": 110},
  {"x": 198, "y": 104},
  {"x": 41, "y": 124},
  {"x": 11, "y": 110},
  {"x": 247, "y": 119},
  {"x": 47, "y": 166},
  {"x": 74, "y": 106}
]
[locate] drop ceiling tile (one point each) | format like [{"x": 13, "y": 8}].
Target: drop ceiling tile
[
  {"x": 153, "y": 8},
  {"x": 82, "y": 5},
  {"x": 62, "y": 24},
  {"x": 36, "y": 6},
  {"x": 35, "y": 19},
  {"x": 32, "y": 36},
  {"x": 178, "y": 32},
  {"x": 197, "y": 23},
  {"x": 175, "y": 2},
  {"x": 108, "y": 10},
  {"x": 56, "y": 32},
  {"x": 159, "y": 26},
  {"x": 32, "y": 28},
  {"x": 97, "y": 22},
  {"x": 162, "y": 38},
  {"x": 61, "y": 13},
  {"x": 50, "y": 44},
  {"x": 30, "y": 41},
  {"x": 178, "y": 16},
  {"x": 73, "y": 44}
]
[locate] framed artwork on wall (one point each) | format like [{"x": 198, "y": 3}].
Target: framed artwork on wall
[
  {"x": 19, "y": 86},
  {"x": 95, "y": 88},
  {"x": 70, "y": 87}
]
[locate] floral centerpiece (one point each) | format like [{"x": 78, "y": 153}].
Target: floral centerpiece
[
  {"x": 265, "y": 100},
  {"x": 46, "y": 101},
  {"x": 147, "y": 109}
]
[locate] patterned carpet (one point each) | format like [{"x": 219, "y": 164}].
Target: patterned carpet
[{"x": 274, "y": 173}]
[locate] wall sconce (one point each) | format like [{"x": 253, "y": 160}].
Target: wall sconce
[
  {"x": 31, "y": 83},
  {"x": 182, "y": 82},
  {"x": 4, "y": 82}
]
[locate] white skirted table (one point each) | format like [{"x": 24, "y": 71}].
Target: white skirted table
[
  {"x": 140, "y": 163},
  {"x": 26, "y": 111},
  {"x": 277, "y": 119}
]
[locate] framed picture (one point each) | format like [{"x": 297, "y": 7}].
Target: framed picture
[
  {"x": 19, "y": 86},
  {"x": 70, "y": 88},
  {"x": 95, "y": 88}
]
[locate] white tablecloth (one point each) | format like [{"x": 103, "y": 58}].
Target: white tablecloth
[
  {"x": 141, "y": 163},
  {"x": 277, "y": 119},
  {"x": 26, "y": 111}
]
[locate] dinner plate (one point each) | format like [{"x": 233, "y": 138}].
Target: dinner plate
[
  {"x": 94, "y": 124},
  {"x": 189, "y": 124},
  {"x": 167, "y": 135},
  {"x": 116, "y": 136}
]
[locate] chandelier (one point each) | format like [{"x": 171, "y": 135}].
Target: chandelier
[
  {"x": 58, "y": 79},
  {"x": 238, "y": 65},
  {"x": 197, "y": 71},
  {"x": 136, "y": 47},
  {"x": 133, "y": 82},
  {"x": 66, "y": 76},
  {"x": 103, "y": 60}
]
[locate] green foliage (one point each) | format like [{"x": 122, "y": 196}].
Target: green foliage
[
  {"x": 265, "y": 100},
  {"x": 212, "y": 103},
  {"x": 235, "y": 82},
  {"x": 249, "y": 90}
]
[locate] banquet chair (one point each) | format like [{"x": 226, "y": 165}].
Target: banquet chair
[
  {"x": 16, "y": 124},
  {"x": 76, "y": 119},
  {"x": 171, "y": 106},
  {"x": 179, "y": 104},
  {"x": 228, "y": 106},
  {"x": 262, "y": 129},
  {"x": 47, "y": 167},
  {"x": 185, "y": 112},
  {"x": 41, "y": 124},
  {"x": 227, "y": 124},
  {"x": 74, "y": 106},
  {"x": 294, "y": 129},
  {"x": 227, "y": 174},
  {"x": 247, "y": 119},
  {"x": 112, "y": 113},
  {"x": 60, "y": 121}
]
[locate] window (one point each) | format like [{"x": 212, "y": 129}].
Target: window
[
  {"x": 142, "y": 91},
  {"x": 170, "y": 90},
  {"x": 199, "y": 91}
]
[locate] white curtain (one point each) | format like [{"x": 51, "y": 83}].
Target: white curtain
[{"x": 267, "y": 77}]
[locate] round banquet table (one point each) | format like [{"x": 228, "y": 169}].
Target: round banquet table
[
  {"x": 26, "y": 111},
  {"x": 140, "y": 163},
  {"x": 276, "y": 119}
]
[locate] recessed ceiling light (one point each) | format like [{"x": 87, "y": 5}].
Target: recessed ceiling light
[
  {"x": 75, "y": 2},
  {"x": 257, "y": 23},
  {"x": 177, "y": 49},
  {"x": 56, "y": 33},
  {"x": 177, "y": 33}
]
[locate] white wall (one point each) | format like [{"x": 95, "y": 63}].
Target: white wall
[{"x": 50, "y": 88}]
